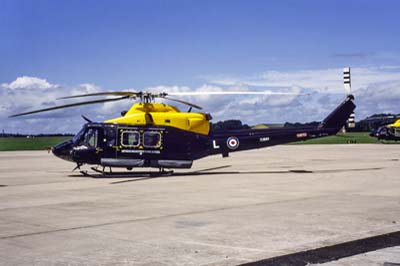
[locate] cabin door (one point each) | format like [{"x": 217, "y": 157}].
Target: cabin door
[{"x": 90, "y": 145}]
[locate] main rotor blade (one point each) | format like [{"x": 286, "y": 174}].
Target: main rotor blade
[
  {"x": 184, "y": 102},
  {"x": 115, "y": 93},
  {"x": 70, "y": 105},
  {"x": 198, "y": 93}
]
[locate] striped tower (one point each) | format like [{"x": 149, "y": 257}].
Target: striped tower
[{"x": 347, "y": 85}]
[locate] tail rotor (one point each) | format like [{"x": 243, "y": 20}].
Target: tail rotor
[
  {"x": 347, "y": 80},
  {"x": 347, "y": 85}
]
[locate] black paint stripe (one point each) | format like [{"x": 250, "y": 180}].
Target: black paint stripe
[{"x": 330, "y": 253}]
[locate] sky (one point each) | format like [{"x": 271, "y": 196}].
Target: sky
[{"x": 50, "y": 49}]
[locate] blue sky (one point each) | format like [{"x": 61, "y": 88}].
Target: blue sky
[{"x": 118, "y": 45}]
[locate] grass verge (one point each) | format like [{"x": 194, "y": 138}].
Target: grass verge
[
  {"x": 42, "y": 143},
  {"x": 32, "y": 143},
  {"x": 346, "y": 138}
]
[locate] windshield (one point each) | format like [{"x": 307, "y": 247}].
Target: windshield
[{"x": 78, "y": 136}]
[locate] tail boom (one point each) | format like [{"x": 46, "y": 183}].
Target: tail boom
[{"x": 238, "y": 140}]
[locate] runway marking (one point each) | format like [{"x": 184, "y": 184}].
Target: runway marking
[{"x": 334, "y": 252}]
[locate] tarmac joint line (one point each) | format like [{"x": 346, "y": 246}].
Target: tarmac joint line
[{"x": 144, "y": 219}]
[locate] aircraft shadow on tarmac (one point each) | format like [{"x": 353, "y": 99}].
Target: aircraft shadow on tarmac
[{"x": 141, "y": 176}]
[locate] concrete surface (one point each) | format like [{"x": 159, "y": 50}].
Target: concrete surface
[
  {"x": 256, "y": 207},
  {"x": 385, "y": 257}
]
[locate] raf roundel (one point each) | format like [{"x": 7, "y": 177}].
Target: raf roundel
[{"x": 232, "y": 143}]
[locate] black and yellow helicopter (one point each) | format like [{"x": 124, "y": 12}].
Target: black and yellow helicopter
[
  {"x": 387, "y": 132},
  {"x": 158, "y": 135}
]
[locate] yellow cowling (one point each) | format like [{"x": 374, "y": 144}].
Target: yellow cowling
[
  {"x": 395, "y": 124},
  {"x": 160, "y": 114}
]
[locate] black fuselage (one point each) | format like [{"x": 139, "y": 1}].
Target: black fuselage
[{"x": 129, "y": 146}]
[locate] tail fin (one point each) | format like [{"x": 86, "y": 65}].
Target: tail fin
[
  {"x": 338, "y": 118},
  {"x": 343, "y": 114}
]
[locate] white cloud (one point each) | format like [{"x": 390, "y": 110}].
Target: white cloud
[
  {"x": 321, "y": 80},
  {"x": 377, "y": 89},
  {"x": 31, "y": 93},
  {"x": 26, "y": 82},
  {"x": 381, "y": 97}
]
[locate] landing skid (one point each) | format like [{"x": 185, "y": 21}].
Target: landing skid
[{"x": 110, "y": 174}]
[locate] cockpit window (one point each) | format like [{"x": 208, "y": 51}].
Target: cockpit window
[
  {"x": 109, "y": 136},
  {"x": 151, "y": 139},
  {"x": 383, "y": 130},
  {"x": 78, "y": 136},
  {"x": 88, "y": 137},
  {"x": 91, "y": 137},
  {"x": 130, "y": 138}
]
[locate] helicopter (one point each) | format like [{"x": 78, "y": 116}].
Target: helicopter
[
  {"x": 158, "y": 135},
  {"x": 387, "y": 132}
]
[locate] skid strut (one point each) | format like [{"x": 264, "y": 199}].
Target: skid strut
[{"x": 103, "y": 173}]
